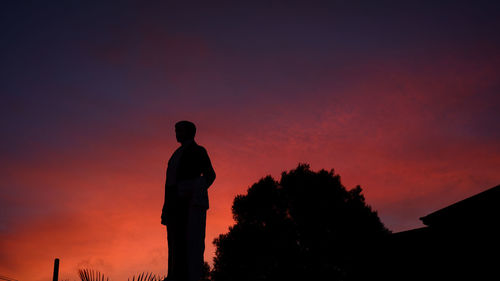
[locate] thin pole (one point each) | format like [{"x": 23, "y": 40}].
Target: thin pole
[{"x": 56, "y": 270}]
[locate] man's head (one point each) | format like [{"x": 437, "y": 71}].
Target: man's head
[{"x": 184, "y": 131}]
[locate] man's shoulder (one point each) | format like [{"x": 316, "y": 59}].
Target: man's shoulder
[
  {"x": 177, "y": 151},
  {"x": 195, "y": 148},
  {"x": 200, "y": 149}
]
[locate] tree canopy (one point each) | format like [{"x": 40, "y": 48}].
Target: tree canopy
[{"x": 306, "y": 226}]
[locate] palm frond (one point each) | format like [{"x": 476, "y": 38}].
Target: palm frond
[
  {"x": 91, "y": 275},
  {"x": 145, "y": 276}
]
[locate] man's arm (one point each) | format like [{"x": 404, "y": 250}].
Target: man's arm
[
  {"x": 164, "y": 209},
  {"x": 206, "y": 168}
]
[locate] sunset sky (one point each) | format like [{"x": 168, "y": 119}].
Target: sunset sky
[{"x": 402, "y": 99}]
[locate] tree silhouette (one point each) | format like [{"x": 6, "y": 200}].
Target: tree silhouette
[{"x": 306, "y": 226}]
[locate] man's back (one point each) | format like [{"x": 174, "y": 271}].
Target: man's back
[{"x": 195, "y": 162}]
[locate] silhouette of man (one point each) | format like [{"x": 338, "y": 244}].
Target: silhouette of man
[{"x": 189, "y": 175}]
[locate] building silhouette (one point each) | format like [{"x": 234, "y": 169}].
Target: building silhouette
[{"x": 460, "y": 242}]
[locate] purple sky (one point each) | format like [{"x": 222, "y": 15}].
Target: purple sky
[{"x": 401, "y": 99}]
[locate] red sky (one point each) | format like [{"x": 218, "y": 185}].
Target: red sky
[{"x": 400, "y": 99}]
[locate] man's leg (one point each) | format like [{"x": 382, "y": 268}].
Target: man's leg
[
  {"x": 196, "y": 241},
  {"x": 181, "y": 248},
  {"x": 173, "y": 245},
  {"x": 177, "y": 242}
]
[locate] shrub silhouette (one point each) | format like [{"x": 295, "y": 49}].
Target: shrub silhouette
[{"x": 306, "y": 226}]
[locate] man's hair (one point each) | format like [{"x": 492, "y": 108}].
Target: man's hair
[{"x": 188, "y": 126}]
